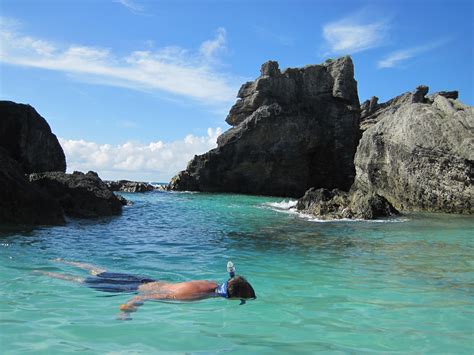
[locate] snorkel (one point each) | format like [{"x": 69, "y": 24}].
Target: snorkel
[
  {"x": 222, "y": 290},
  {"x": 231, "y": 269}
]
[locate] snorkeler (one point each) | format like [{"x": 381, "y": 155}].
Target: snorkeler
[{"x": 149, "y": 289}]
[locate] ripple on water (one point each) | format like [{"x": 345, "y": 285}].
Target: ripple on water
[{"x": 334, "y": 287}]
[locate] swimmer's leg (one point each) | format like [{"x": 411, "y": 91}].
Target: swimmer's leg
[
  {"x": 92, "y": 269},
  {"x": 66, "y": 277}
]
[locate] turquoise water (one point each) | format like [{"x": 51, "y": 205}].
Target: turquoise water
[{"x": 403, "y": 285}]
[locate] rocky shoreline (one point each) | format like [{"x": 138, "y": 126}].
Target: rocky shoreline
[
  {"x": 302, "y": 131},
  {"x": 296, "y": 133}
]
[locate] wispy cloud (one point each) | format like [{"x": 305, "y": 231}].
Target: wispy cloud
[
  {"x": 172, "y": 70},
  {"x": 354, "y": 34},
  {"x": 132, "y": 6},
  {"x": 212, "y": 47},
  {"x": 158, "y": 161},
  {"x": 397, "y": 57}
]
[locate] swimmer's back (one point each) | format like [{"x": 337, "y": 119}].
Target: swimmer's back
[{"x": 189, "y": 290}]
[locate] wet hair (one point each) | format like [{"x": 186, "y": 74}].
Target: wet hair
[{"x": 238, "y": 287}]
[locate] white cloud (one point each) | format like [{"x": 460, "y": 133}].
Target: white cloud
[
  {"x": 352, "y": 34},
  {"x": 211, "y": 47},
  {"x": 173, "y": 70},
  {"x": 155, "y": 161},
  {"x": 131, "y": 5},
  {"x": 397, "y": 57}
]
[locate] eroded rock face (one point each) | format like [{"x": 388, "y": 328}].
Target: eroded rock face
[
  {"x": 80, "y": 195},
  {"x": 27, "y": 138},
  {"x": 291, "y": 130},
  {"x": 22, "y": 203},
  {"x": 417, "y": 151}
]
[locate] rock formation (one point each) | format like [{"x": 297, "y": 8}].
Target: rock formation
[
  {"x": 80, "y": 195},
  {"x": 417, "y": 151},
  {"x": 27, "y": 146},
  {"x": 337, "y": 204},
  {"x": 22, "y": 203},
  {"x": 28, "y": 139},
  {"x": 292, "y": 130},
  {"x": 129, "y": 186}
]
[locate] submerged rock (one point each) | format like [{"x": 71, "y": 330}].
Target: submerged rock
[
  {"x": 129, "y": 186},
  {"x": 337, "y": 204},
  {"x": 21, "y": 202},
  {"x": 291, "y": 130},
  {"x": 27, "y": 138},
  {"x": 418, "y": 152},
  {"x": 80, "y": 195}
]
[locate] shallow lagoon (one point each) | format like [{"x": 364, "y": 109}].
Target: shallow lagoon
[{"x": 401, "y": 285}]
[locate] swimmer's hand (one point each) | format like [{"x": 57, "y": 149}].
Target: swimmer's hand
[{"x": 128, "y": 307}]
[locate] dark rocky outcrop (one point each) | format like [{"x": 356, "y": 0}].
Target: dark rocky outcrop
[
  {"x": 27, "y": 146},
  {"x": 337, "y": 204},
  {"x": 80, "y": 195},
  {"x": 22, "y": 203},
  {"x": 129, "y": 186},
  {"x": 27, "y": 138},
  {"x": 291, "y": 130},
  {"x": 417, "y": 151}
]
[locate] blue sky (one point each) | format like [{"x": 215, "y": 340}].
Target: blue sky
[{"x": 135, "y": 88}]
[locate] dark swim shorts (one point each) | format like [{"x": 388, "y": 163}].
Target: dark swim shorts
[{"x": 116, "y": 282}]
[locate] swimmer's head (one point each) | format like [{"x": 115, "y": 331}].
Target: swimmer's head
[{"x": 238, "y": 287}]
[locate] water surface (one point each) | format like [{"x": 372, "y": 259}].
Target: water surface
[{"x": 401, "y": 285}]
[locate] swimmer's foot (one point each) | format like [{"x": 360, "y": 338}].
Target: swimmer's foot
[
  {"x": 55, "y": 275},
  {"x": 92, "y": 269}
]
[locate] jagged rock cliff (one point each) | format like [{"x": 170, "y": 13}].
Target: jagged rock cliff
[
  {"x": 418, "y": 152},
  {"x": 27, "y": 138},
  {"x": 292, "y": 130}
]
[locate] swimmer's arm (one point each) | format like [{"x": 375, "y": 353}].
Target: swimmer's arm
[
  {"x": 137, "y": 301},
  {"x": 133, "y": 304}
]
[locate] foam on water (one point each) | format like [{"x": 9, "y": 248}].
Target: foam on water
[
  {"x": 285, "y": 205},
  {"x": 289, "y": 207}
]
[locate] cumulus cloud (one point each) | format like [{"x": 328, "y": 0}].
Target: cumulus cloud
[
  {"x": 353, "y": 34},
  {"x": 155, "y": 161},
  {"x": 395, "y": 58},
  {"x": 173, "y": 70}
]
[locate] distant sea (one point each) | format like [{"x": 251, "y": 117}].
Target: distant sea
[{"x": 400, "y": 285}]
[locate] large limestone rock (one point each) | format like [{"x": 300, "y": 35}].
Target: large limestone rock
[
  {"x": 291, "y": 130},
  {"x": 22, "y": 203},
  {"x": 418, "y": 152},
  {"x": 27, "y": 138},
  {"x": 80, "y": 195}
]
